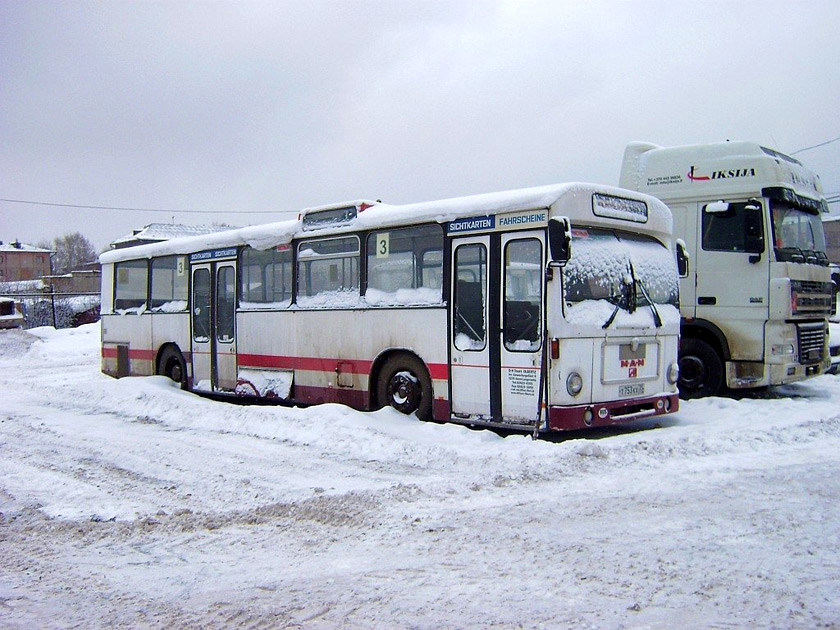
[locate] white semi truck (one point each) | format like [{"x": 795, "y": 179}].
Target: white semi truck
[{"x": 756, "y": 291}]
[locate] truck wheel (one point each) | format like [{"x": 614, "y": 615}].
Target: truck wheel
[
  {"x": 172, "y": 365},
  {"x": 404, "y": 384},
  {"x": 701, "y": 370}
]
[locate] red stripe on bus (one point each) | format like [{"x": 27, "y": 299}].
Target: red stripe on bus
[
  {"x": 133, "y": 353},
  {"x": 438, "y": 371}
]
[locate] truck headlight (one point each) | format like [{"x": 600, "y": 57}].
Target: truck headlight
[{"x": 781, "y": 349}]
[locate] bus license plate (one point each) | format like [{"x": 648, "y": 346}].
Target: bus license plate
[{"x": 625, "y": 391}]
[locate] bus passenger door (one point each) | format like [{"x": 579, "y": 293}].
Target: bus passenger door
[
  {"x": 213, "y": 327},
  {"x": 496, "y": 327},
  {"x": 521, "y": 323},
  {"x": 469, "y": 345}
]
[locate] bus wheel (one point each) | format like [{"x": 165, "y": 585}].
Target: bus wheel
[
  {"x": 404, "y": 384},
  {"x": 172, "y": 365},
  {"x": 701, "y": 370}
]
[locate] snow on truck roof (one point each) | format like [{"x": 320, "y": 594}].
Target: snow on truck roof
[{"x": 373, "y": 215}]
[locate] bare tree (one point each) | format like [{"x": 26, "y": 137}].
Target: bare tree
[{"x": 71, "y": 251}]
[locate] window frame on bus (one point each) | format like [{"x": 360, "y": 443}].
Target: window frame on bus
[
  {"x": 522, "y": 317},
  {"x": 178, "y": 298},
  {"x": 136, "y": 304},
  {"x": 470, "y": 290},
  {"x": 420, "y": 290},
  {"x": 345, "y": 295},
  {"x": 267, "y": 261}
]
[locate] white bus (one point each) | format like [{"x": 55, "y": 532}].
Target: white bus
[
  {"x": 758, "y": 293},
  {"x": 469, "y": 310}
]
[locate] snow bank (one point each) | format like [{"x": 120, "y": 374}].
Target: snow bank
[{"x": 130, "y": 503}]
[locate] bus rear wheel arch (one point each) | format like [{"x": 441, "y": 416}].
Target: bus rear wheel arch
[
  {"x": 403, "y": 383},
  {"x": 701, "y": 369},
  {"x": 172, "y": 365}
]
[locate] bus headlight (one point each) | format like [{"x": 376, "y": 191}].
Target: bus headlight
[
  {"x": 574, "y": 383},
  {"x": 673, "y": 373}
]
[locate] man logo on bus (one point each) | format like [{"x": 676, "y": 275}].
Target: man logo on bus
[
  {"x": 632, "y": 366},
  {"x": 631, "y": 363}
]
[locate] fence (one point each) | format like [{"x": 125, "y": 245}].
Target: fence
[{"x": 50, "y": 308}]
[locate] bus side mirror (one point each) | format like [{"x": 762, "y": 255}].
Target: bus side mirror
[
  {"x": 682, "y": 258},
  {"x": 560, "y": 239}
]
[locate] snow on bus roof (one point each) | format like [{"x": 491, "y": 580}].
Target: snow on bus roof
[
  {"x": 380, "y": 214},
  {"x": 262, "y": 236}
]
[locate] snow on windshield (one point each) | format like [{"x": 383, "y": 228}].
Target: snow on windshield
[{"x": 604, "y": 268}]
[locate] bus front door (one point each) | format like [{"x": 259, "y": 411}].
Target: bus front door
[
  {"x": 496, "y": 328},
  {"x": 213, "y": 326}
]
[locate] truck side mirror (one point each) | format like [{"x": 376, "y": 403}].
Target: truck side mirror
[
  {"x": 754, "y": 225},
  {"x": 560, "y": 239},
  {"x": 682, "y": 258},
  {"x": 717, "y": 207}
]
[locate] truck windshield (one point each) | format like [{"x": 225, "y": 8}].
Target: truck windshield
[
  {"x": 797, "y": 235},
  {"x": 626, "y": 271}
]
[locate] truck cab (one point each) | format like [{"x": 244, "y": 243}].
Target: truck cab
[{"x": 756, "y": 295}]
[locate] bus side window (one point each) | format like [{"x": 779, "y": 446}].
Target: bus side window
[
  {"x": 201, "y": 305},
  {"x": 523, "y": 294},
  {"x": 132, "y": 277},
  {"x": 265, "y": 277},
  {"x": 328, "y": 269},
  {"x": 169, "y": 284},
  {"x": 405, "y": 265},
  {"x": 225, "y": 303},
  {"x": 469, "y": 299}
]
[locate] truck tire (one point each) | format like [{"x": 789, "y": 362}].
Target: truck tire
[{"x": 701, "y": 370}]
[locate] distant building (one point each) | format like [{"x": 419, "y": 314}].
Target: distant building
[
  {"x": 19, "y": 261},
  {"x": 157, "y": 232},
  {"x": 831, "y": 225}
]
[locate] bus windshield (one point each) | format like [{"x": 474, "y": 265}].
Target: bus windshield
[
  {"x": 797, "y": 235},
  {"x": 621, "y": 271}
]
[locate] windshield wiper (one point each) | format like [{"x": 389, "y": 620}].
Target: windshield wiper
[
  {"x": 637, "y": 282},
  {"x": 633, "y": 299},
  {"x": 627, "y": 296},
  {"x": 609, "y": 321}
]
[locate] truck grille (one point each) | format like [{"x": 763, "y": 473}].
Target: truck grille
[
  {"x": 811, "y": 339},
  {"x": 811, "y": 297}
]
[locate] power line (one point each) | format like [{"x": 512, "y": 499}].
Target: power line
[
  {"x": 821, "y": 144},
  {"x": 119, "y": 209}
]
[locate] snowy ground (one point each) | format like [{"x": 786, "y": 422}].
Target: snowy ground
[{"x": 133, "y": 504}]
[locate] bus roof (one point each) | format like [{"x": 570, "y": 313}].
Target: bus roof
[
  {"x": 717, "y": 169},
  {"x": 378, "y": 215}
]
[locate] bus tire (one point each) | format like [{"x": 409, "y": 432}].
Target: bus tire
[
  {"x": 701, "y": 370},
  {"x": 404, "y": 384},
  {"x": 172, "y": 365}
]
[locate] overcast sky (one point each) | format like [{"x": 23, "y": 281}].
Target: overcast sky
[{"x": 254, "y": 110}]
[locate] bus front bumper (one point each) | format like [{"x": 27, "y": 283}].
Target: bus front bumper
[{"x": 578, "y": 417}]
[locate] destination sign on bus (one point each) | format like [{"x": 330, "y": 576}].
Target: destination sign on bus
[
  {"x": 524, "y": 218},
  {"x": 214, "y": 254},
  {"x": 619, "y": 208},
  {"x": 502, "y": 221}
]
